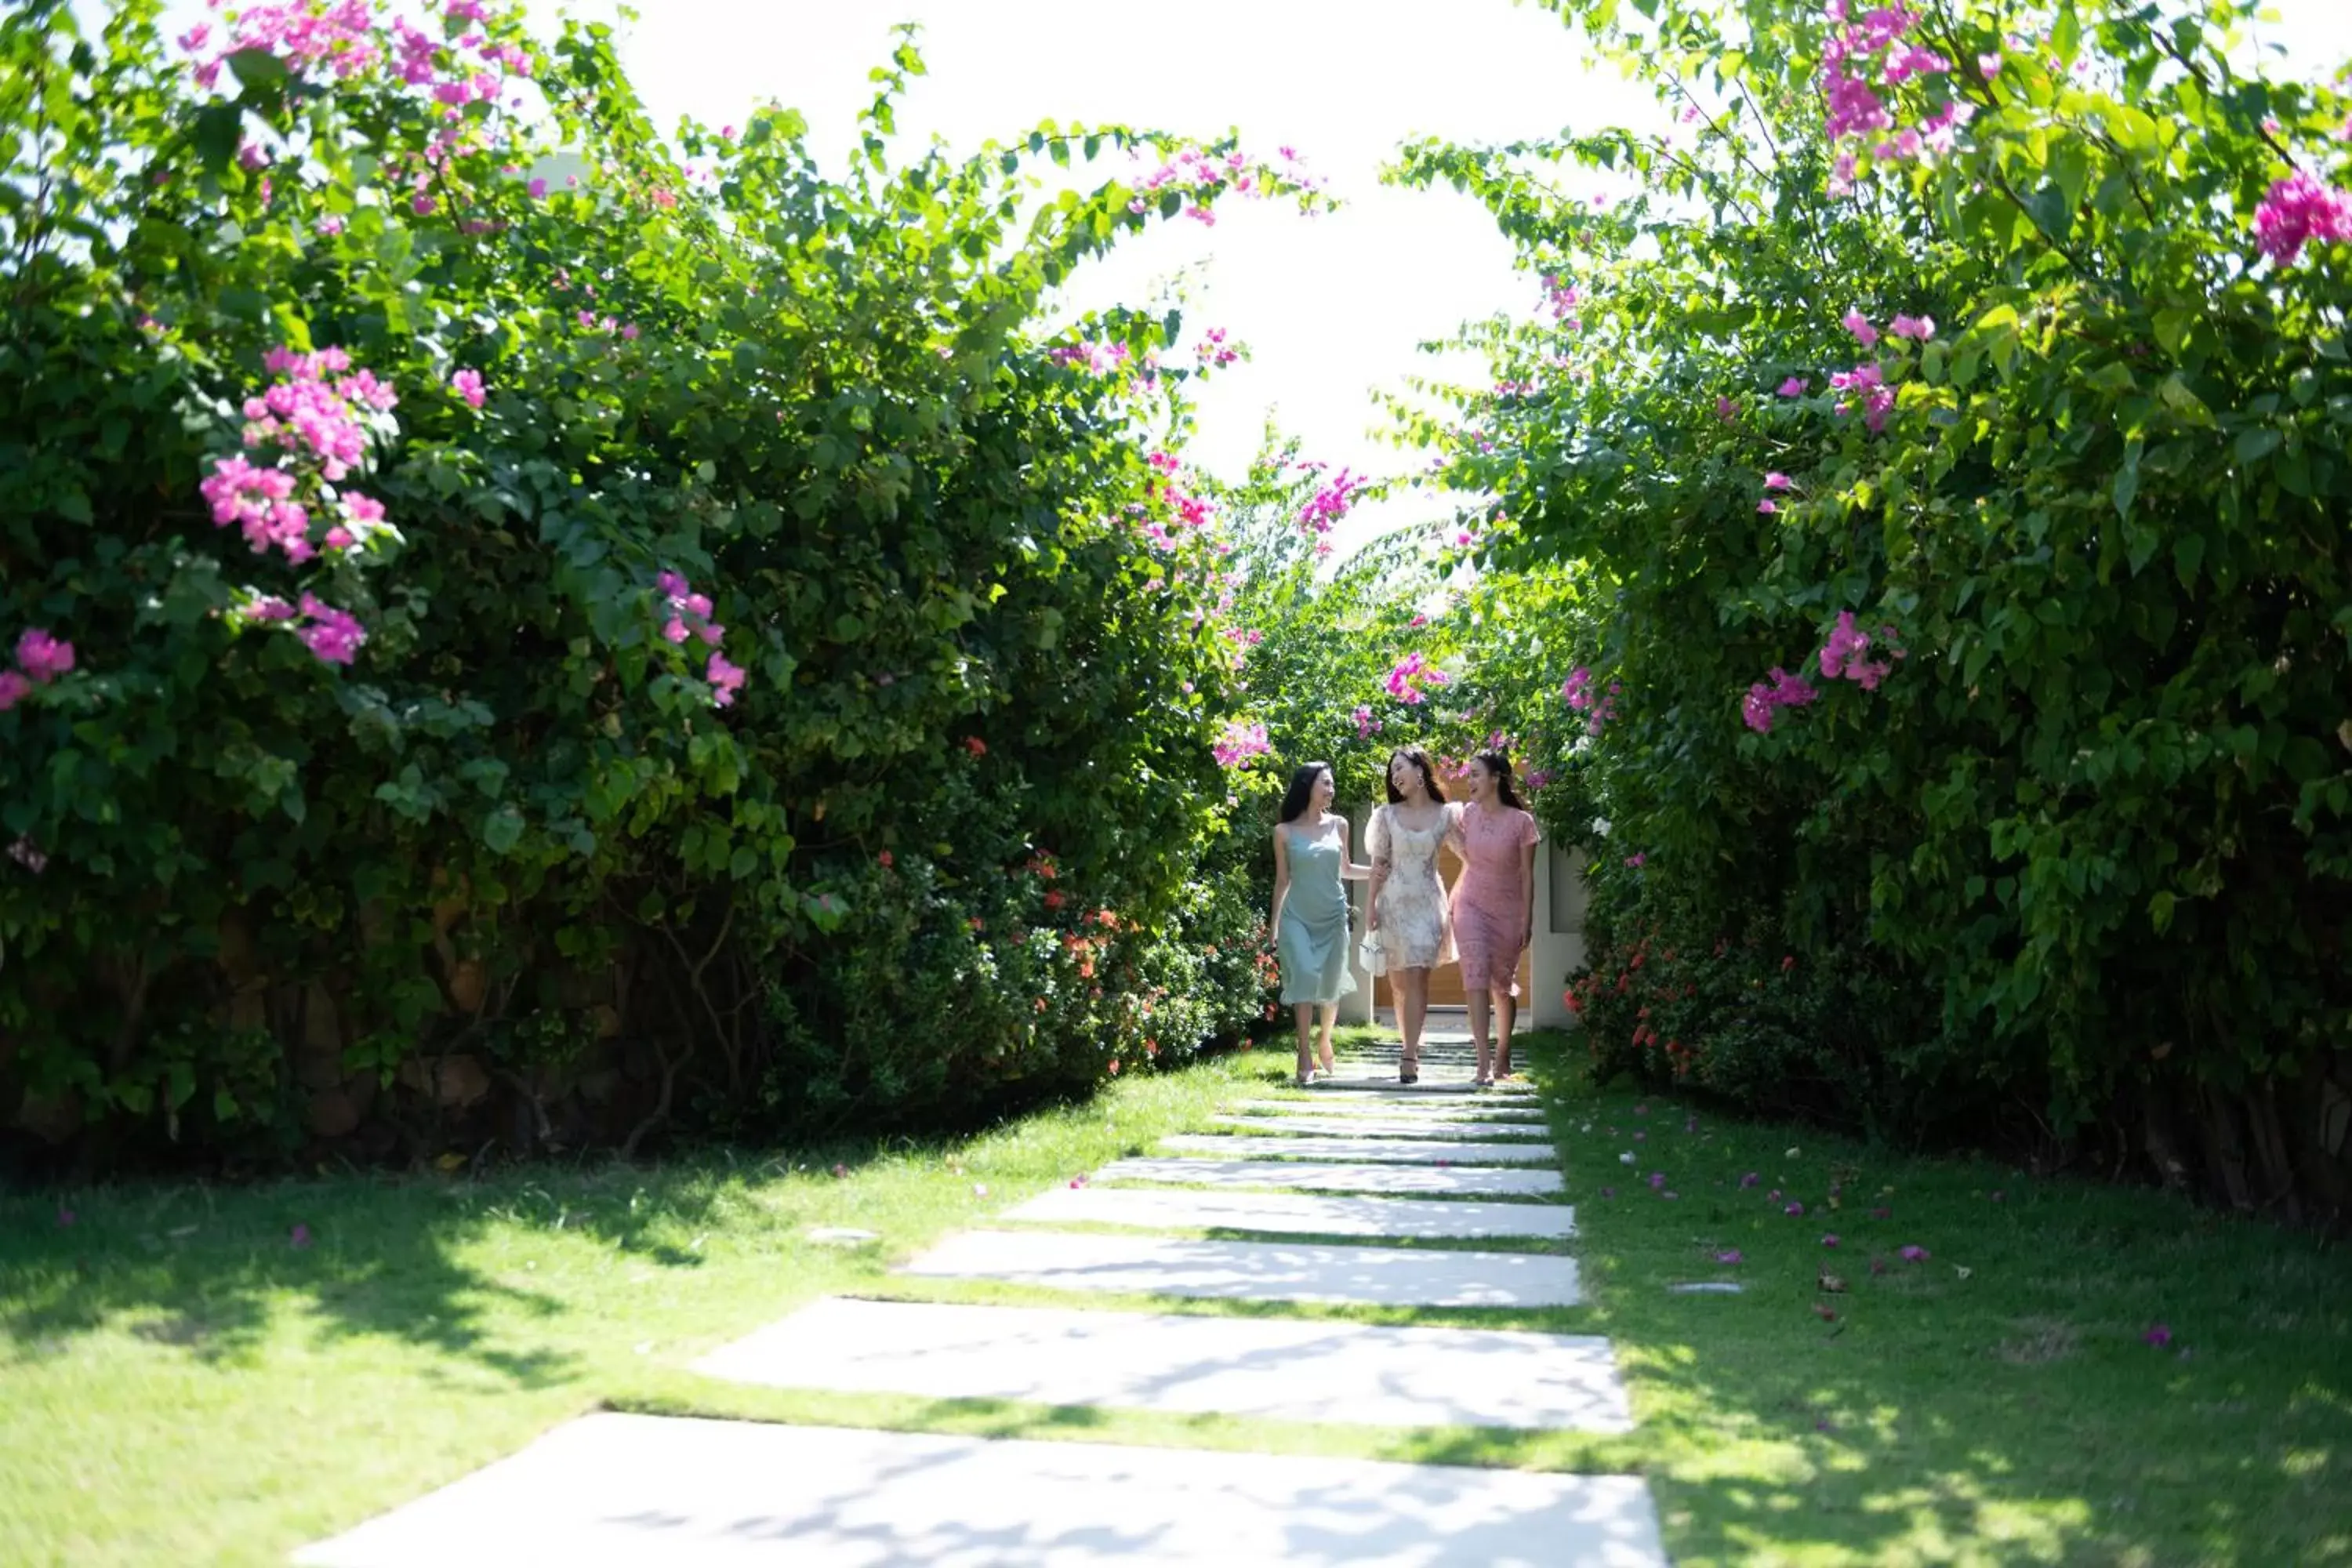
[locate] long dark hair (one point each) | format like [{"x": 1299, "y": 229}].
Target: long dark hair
[
  {"x": 1418, "y": 759},
  {"x": 1301, "y": 790},
  {"x": 1500, "y": 765}
]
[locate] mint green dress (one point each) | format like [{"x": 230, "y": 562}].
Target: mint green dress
[{"x": 1313, "y": 942}]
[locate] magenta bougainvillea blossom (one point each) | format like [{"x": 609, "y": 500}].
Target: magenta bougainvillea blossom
[
  {"x": 1241, "y": 742},
  {"x": 41, "y": 657},
  {"x": 1332, "y": 499},
  {"x": 1764, "y": 701},
  {"x": 1865, "y": 55},
  {"x": 2297, "y": 211},
  {"x": 687, "y": 615},
  {"x": 1408, "y": 682}
]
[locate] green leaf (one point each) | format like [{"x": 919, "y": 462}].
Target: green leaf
[
  {"x": 218, "y": 130},
  {"x": 2188, "y": 554},
  {"x": 502, "y": 830},
  {"x": 2256, "y": 443},
  {"x": 2127, "y": 480},
  {"x": 259, "y": 70}
]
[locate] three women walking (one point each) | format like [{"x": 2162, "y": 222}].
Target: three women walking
[{"x": 1414, "y": 925}]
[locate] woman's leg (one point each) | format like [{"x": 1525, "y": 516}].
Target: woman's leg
[
  {"x": 1303, "y": 1015},
  {"x": 1475, "y": 997},
  {"x": 1330, "y": 1011},
  {"x": 1412, "y": 1015},
  {"x": 1506, "y": 1011}
]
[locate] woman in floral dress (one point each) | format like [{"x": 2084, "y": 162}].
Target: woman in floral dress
[
  {"x": 1409, "y": 917},
  {"x": 1494, "y": 902},
  {"x": 1310, "y": 911}
]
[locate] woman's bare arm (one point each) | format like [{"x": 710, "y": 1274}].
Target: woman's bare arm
[{"x": 1281, "y": 882}]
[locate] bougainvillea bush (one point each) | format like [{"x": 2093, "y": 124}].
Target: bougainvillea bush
[
  {"x": 524, "y": 626},
  {"x": 1954, "y": 413}
]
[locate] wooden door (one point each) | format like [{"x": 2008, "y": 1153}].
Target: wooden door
[{"x": 1446, "y": 980}]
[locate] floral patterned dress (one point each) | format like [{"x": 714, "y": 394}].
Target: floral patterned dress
[
  {"x": 1490, "y": 901},
  {"x": 1416, "y": 928}
]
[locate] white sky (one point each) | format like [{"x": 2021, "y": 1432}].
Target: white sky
[{"x": 1331, "y": 308}]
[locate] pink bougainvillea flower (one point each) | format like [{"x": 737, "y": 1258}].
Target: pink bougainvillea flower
[
  {"x": 1731, "y": 1257},
  {"x": 1913, "y": 1254},
  {"x": 1726, "y": 408},
  {"x": 1919, "y": 329},
  {"x": 726, "y": 677},
  {"x": 1749, "y": 1180},
  {"x": 1830, "y": 1240},
  {"x": 1989, "y": 65},
  {"x": 2157, "y": 1335},
  {"x": 333, "y": 635},
  {"x": 43, "y": 657},
  {"x": 1657, "y": 1181},
  {"x": 1859, "y": 325},
  {"x": 300, "y": 1237},
  {"x": 1637, "y": 861},
  {"x": 1776, "y": 482},
  {"x": 2296, "y": 210},
  {"x": 1794, "y": 386},
  {"x": 468, "y": 384}
]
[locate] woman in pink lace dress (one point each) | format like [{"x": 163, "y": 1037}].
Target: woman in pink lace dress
[{"x": 1494, "y": 902}]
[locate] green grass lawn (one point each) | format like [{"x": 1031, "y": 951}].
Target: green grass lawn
[
  {"x": 1998, "y": 1400},
  {"x": 180, "y": 1383}
]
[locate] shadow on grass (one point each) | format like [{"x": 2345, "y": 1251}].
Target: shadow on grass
[
  {"x": 216, "y": 1270},
  {"x": 2073, "y": 1372}
]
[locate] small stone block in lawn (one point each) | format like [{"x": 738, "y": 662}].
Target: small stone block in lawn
[
  {"x": 1298, "y": 1213},
  {"x": 1253, "y": 1270},
  {"x": 1417, "y": 1151},
  {"x": 610, "y": 1489},
  {"x": 1303, "y": 1175},
  {"x": 1274, "y": 1369}
]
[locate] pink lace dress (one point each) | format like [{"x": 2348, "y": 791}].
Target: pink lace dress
[{"x": 1490, "y": 900}]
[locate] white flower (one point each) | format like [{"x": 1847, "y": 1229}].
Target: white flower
[
  {"x": 1600, "y": 826},
  {"x": 1626, "y": 1158}
]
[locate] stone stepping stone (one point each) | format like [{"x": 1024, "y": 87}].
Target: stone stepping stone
[
  {"x": 1303, "y": 1175},
  {"x": 610, "y": 1489},
  {"x": 1386, "y": 1126},
  {"x": 1419, "y": 1151},
  {"x": 1371, "y": 1105},
  {"x": 1253, "y": 1271},
  {"x": 1404, "y": 1219},
  {"x": 1428, "y": 1085},
  {"x": 1272, "y": 1369}
]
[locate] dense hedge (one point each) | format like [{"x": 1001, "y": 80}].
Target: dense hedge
[
  {"x": 1951, "y": 422},
  {"x": 573, "y": 633}
]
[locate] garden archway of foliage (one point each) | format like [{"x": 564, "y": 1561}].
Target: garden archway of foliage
[
  {"x": 526, "y": 629},
  {"x": 1961, "y": 401}
]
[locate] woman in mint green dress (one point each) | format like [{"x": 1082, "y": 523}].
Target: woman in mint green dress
[{"x": 1310, "y": 912}]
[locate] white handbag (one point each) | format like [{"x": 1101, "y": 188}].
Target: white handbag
[{"x": 1372, "y": 955}]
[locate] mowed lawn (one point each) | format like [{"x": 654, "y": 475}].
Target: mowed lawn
[{"x": 187, "y": 1377}]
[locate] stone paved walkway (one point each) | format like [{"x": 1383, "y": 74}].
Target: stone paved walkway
[{"x": 1309, "y": 1199}]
